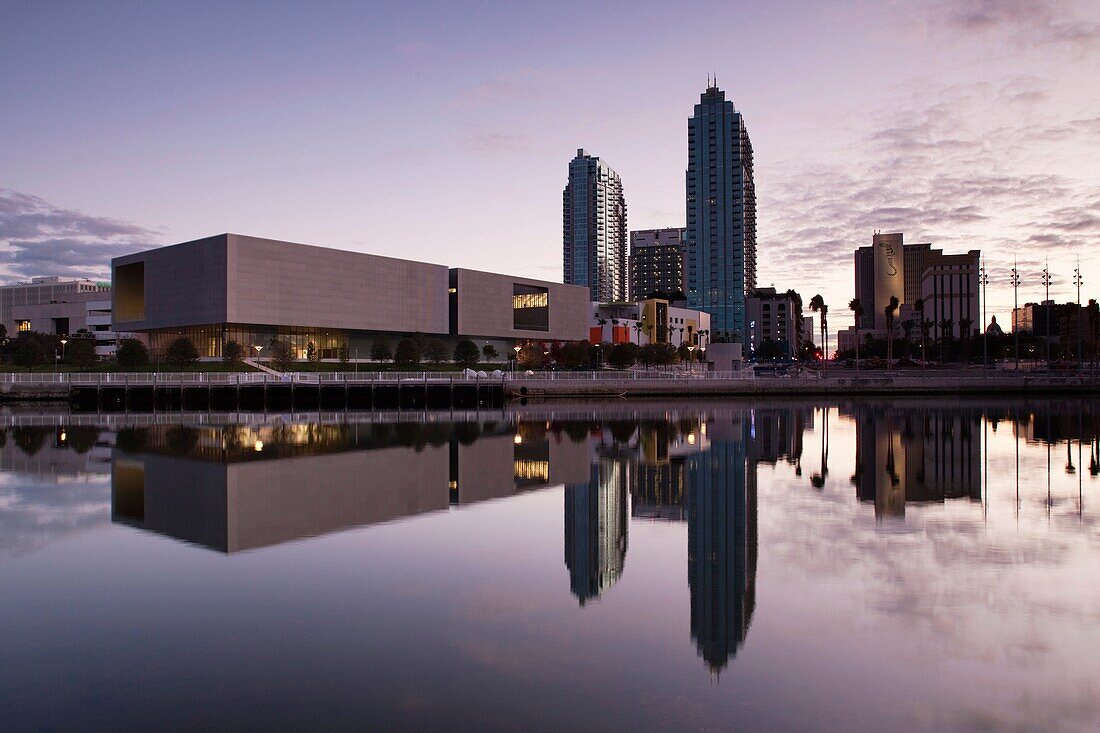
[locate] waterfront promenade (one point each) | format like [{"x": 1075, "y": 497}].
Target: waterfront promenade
[{"x": 188, "y": 388}]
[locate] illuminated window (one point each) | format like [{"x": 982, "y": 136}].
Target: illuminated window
[
  {"x": 23, "y": 326},
  {"x": 530, "y": 308}
]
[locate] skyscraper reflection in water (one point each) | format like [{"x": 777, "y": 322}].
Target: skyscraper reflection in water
[
  {"x": 721, "y": 540},
  {"x": 595, "y": 529}
]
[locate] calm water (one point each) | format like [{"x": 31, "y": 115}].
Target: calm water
[{"x": 876, "y": 565}]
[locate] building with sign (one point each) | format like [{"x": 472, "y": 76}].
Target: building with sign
[{"x": 250, "y": 290}]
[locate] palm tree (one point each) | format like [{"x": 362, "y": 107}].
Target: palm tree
[
  {"x": 945, "y": 336},
  {"x": 817, "y": 305},
  {"x": 919, "y": 308},
  {"x": 602, "y": 322},
  {"x": 965, "y": 325},
  {"x": 891, "y": 310},
  {"x": 857, "y": 308},
  {"x": 926, "y": 328}
]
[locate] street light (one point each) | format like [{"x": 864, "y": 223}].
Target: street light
[
  {"x": 983, "y": 278},
  {"x": 1047, "y": 306},
  {"x": 1078, "y": 280},
  {"x": 1015, "y": 281},
  {"x": 691, "y": 355},
  {"x": 517, "y": 348},
  {"x": 63, "y": 342}
]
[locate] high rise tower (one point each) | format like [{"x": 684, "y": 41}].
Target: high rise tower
[
  {"x": 595, "y": 250},
  {"x": 721, "y": 214}
]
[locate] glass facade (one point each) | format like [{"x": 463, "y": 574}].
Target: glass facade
[
  {"x": 594, "y": 226},
  {"x": 721, "y": 214},
  {"x": 210, "y": 339}
]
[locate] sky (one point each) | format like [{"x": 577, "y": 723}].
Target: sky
[{"x": 442, "y": 131}]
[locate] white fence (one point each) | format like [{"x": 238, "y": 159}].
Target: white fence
[{"x": 320, "y": 378}]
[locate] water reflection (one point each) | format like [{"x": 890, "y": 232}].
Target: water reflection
[{"x": 239, "y": 487}]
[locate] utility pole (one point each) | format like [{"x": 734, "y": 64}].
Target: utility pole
[
  {"x": 1048, "y": 306},
  {"x": 1015, "y": 280},
  {"x": 1077, "y": 280},
  {"x": 984, "y": 280}
]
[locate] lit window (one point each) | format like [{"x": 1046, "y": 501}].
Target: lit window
[{"x": 23, "y": 326}]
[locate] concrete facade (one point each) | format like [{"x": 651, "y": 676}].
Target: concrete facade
[
  {"x": 231, "y": 287},
  {"x": 483, "y": 306},
  {"x": 230, "y": 278}
]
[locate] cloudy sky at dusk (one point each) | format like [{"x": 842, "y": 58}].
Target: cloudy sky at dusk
[{"x": 442, "y": 131}]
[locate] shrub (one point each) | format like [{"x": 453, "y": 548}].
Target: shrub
[
  {"x": 575, "y": 355},
  {"x": 490, "y": 352},
  {"x": 181, "y": 352},
  {"x": 132, "y": 354},
  {"x": 466, "y": 353},
  {"x": 311, "y": 352}
]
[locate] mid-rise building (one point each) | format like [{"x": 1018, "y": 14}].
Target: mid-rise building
[
  {"x": 949, "y": 288},
  {"x": 594, "y": 240},
  {"x": 721, "y": 214},
  {"x": 946, "y": 283},
  {"x": 657, "y": 263},
  {"x": 774, "y": 318},
  {"x": 61, "y": 307}
]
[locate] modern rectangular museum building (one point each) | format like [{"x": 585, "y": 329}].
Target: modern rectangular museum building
[{"x": 231, "y": 287}]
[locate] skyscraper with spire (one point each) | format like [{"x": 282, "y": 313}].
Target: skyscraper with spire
[
  {"x": 721, "y": 214},
  {"x": 594, "y": 240}
]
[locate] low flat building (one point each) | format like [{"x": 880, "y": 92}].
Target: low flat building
[
  {"x": 654, "y": 320},
  {"x": 232, "y": 287}
]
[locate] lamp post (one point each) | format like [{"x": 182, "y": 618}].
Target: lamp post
[
  {"x": 983, "y": 278},
  {"x": 62, "y": 358},
  {"x": 517, "y": 348},
  {"x": 1078, "y": 280},
  {"x": 1047, "y": 305},
  {"x": 691, "y": 356},
  {"x": 1015, "y": 281}
]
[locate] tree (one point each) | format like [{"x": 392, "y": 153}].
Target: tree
[
  {"x": 30, "y": 352},
  {"x": 946, "y": 324},
  {"x": 407, "y": 352},
  {"x": 435, "y": 351},
  {"x": 81, "y": 352},
  {"x": 132, "y": 354},
  {"x": 380, "y": 351},
  {"x": 490, "y": 352},
  {"x": 466, "y": 353},
  {"x": 769, "y": 350},
  {"x": 181, "y": 352},
  {"x": 817, "y": 305},
  {"x": 531, "y": 356},
  {"x": 907, "y": 327},
  {"x": 281, "y": 354},
  {"x": 311, "y": 352},
  {"x": 232, "y": 353},
  {"x": 856, "y": 307},
  {"x": 623, "y": 356},
  {"x": 576, "y": 355},
  {"x": 891, "y": 311},
  {"x": 965, "y": 331}
]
